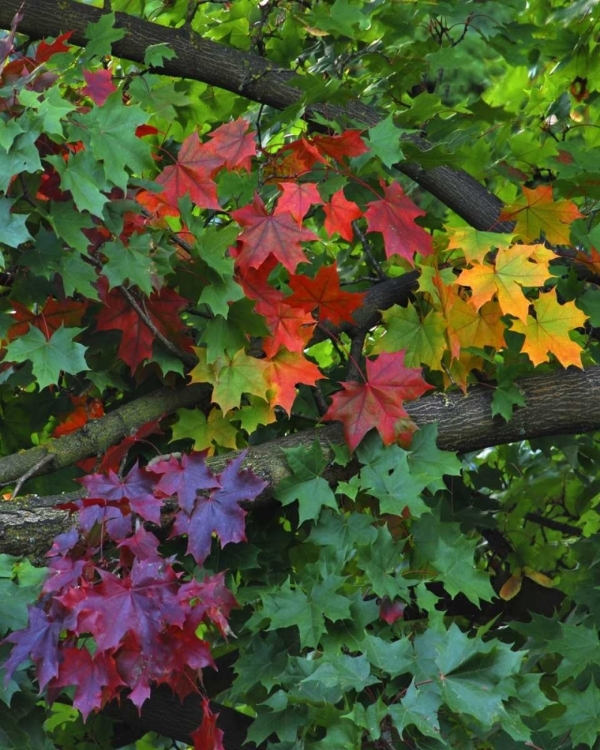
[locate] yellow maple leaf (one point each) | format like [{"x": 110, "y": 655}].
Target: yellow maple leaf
[
  {"x": 536, "y": 212},
  {"x": 515, "y": 267},
  {"x": 478, "y": 328},
  {"x": 549, "y": 331},
  {"x": 474, "y": 243}
]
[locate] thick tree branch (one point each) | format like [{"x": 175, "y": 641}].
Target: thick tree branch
[
  {"x": 250, "y": 76},
  {"x": 562, "y": 402}
]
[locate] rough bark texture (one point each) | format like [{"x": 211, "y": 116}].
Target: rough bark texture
[{"x": 564, "y": 402}]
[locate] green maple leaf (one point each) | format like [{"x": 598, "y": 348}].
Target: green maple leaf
[
  {"x": 231, "y": 376},
  {"x": 13, "y": 228},
  {"x": 101, "y": 35},
  {"x": 380, "y": 562},
  {"x": 49, "y": 357},
  {"x": 419, "y": 706},
  {"x": 427, "y": 462},
  {"x": 129, "y": 262},
  {"x": 67, "y": 222},
  {"x": 392, "y": 657},
  {"x": 451, "y": 553},
  {"x": 84, "y": 177},
  {"x": 306, "y": 486},
  {"x": 22, "y": 156},
  {"x": 109, "y": 133},
  {"x": 580, "y": 647},
  {"x": 384, "y": 139},
  {"x": 582, "y": 716}
]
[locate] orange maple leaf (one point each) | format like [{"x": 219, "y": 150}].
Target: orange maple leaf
[
  {"x": 515, "y": 267},
  {"x": 537, "y": 213},
  {"x": 549, "y": 331},
  {"x": 286, "y": 370}
]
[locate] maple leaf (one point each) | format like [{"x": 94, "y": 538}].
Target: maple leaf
[
  {"x": 323, "y": 292},
  {"x": 339, "y": 215},
  {"x": 255, "y": 283},
  {"x": 49, "y": 319},
  {"x": 265, "y": 234},
  {"x": 93, "y": 677},
  {"x": 208, "y": 736},
  {"x": 514, "y": 268},
  {"x": 290, "y": 327},
  {"x": 220, "y": 511},
  {"x": 39, "y": 640},
  {"x": 287, "y": 369},
  {"x": 474, "y": 243},
  {"x": 378, "y": 402},
  {"x": 192, "y": 173},
  {"x": 85, "y": 409},
  {"x": 209, "y": 598},
  {"x": 230, "y": 375},
  {"x": 537, "y": 213},
  {"x": 99, "y": 85},
  {"x": 297, "y": 198},
  {"x": 137, "y": 488},
  {"x": 394, "y": 217},
  {"x": 184, "y": 478},
  {"x": 45, "y": 50},
  {"x": 138, "y": 339},
  {"x": 549, "y": 331},
  {"x": 349, "y": 143},
  {"x": 233, "y": 145}
]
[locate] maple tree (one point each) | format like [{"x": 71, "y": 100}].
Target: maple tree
[{"x": 298, "y": 376}]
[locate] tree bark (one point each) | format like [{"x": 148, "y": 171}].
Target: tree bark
[{"x": 562, "y": 402}]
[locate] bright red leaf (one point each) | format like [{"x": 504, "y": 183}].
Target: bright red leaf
[
  {"x": 45, "y": 51},
  {"x": 297, "y": 198},
  {"x": 323, "y": 293},
  {"x": 265, "y": 234},
  {"x": 208, "y": 736},
  {"x": 290, "y": 326},
  {"x": 286, "y": 370},
  {"x": 349, "y": 143},
  {"x": 378, "y": 403},
  {"x": 339, "y": 215},
  {"x": 394, "y": 217}
]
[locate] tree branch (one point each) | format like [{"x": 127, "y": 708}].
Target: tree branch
[{"x": 252, "y": 77}]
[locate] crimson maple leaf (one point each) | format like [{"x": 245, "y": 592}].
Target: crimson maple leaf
[
  {"x": 219, "y": 512},
  {"x": 233, "y": 145},
  {"x": 378, "y": 402},
  {"x": 192, "y": 173},
  {"x": 297, "y": 198},
  {"x": 208, "y": 736},
  {"x": 323, "y": 292},
  {"x": 349, "y": 143},
  {"x": 266, "y": 234},
  {"x": 290, "y": 326},
  {"x": 49, "y": 319},
  {"x": 394, "y": 217},
  {"x": 286, "y": 370},
  {"x": 99, "y": 85},
  {"x": 137, "y": 341},
  {"x": 339, "y": 215},
  {"x": 93, "y": 676}
]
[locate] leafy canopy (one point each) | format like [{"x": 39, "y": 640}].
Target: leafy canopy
[{"x": 159, "y": 233}]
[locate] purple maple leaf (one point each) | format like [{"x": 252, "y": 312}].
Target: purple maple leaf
[{"x": 184, "y": 478}]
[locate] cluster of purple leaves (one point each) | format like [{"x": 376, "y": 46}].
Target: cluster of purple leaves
[{"x": 114, "y": 613}]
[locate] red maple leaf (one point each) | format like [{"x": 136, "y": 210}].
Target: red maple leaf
[
  {"x": 297, "y": 198},
  {"x": 184, "y": 478},
  {"x": 219, "y": 512},
  {"x": 45, "y": 51},
  {"x": 208, "y": 736},
  {"x": 323, "y": 292},
  {"x": 233, "y": 145},
  {"x": 95, "y": 678},
  {"x": 290, "y": 326},
  {"x": 39, "y": 640},
  {"x": 378, "y": 402},
  {"x": 49, "y": 319},
  {"x": 136, "y": 343},
  {"x": 394, "y": 217},
  {"x": 265, "y": 234},
  {"x": 192, "y": 173},
  {"x": 99, "y": 85},
  {"x": 116, "y": 453},
  {"x": 339, "y": 215},
  {"x": 85, "y": 408},
  {"x": 349, "y": 143},
  {"x": 286, "y": 370},
  {"x": 255, "y": 282}
]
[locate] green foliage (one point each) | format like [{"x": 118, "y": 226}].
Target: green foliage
[{"x": 158, "y": 231}]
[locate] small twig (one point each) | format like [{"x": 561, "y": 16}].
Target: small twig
[
  {"x": 47, "y": 459},
  {"x": 549, "y": 523},
  {"x": 187, "y": 359},
  {"x": 373, "y": 262}
]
